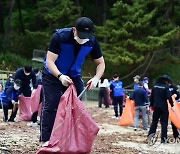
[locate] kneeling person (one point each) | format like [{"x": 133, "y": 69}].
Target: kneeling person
[{"x": 12, "y": 94}]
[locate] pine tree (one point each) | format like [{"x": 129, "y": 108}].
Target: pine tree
[
  {"x": 56, "y": 14},
  {"x": 137, "y": 28}
]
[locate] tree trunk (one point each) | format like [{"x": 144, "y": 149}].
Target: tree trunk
[
  {"x": 7, "y": 29},
  {"x": 98, "y": 13},
  {"x": 78, "y": 7},
  {"x": 20, "y": 17},
  {"x": 104, "y": 16},
  {"x": 1, "y": 19},
  {"x": 169, "y": 10}
]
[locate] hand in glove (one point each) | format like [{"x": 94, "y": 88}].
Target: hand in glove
[
  {"x": 13, "y": 102},
  {"x": 66, "y": 81},
  {"x": 33, "y": 91},
  {"x": 92, "y": 82}
]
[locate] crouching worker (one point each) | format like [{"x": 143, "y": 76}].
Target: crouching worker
[
  {"x": 9, "y": 100},
  {"x": 12, "y": 94}
]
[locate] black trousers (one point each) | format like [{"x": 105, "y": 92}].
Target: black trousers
[
  {"x": 5, "y": 108},
  {"x": 162, "y": 114},
  {"x": 53, "y": 90},
  {"x": 103, "y": 94},
  {"x": 175, "y": 131},
  {"x": 118, "y": 101}
]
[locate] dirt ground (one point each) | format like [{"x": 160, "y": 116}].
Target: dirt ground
[{"x": 18, "y": 138}]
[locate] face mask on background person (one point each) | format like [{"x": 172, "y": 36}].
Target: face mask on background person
[
  {"x": 80, "y": 41},
  {"x": 136, "y": 80},
  {"x": 16, "y": 87}
]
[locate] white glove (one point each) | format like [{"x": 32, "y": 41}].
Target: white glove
[
  {"x": 66, "y": 81},
  {"x": 173, "y": 108},
  {"x": 13, "y": 102},
  {"x": 175, "y": 95},
  {"x": 93, "y": 82},
  {"x": 33, "y": 91}
]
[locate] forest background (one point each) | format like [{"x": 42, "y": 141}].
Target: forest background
[{"x": 136, "y": 37}]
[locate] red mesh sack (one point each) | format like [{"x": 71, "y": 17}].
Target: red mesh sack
[
  {"x": 74, "y": 130},
  {"x": 35, "y": 99},
  {"x": 24, "y": 108}
]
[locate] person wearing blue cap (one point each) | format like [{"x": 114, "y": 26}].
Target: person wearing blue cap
[{"x": 62, "y": 66}]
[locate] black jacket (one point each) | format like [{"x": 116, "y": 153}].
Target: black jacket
[
  {"x": 173, "y": 89},
  {"x": 159, "y": 95},
  {"x": 25, "y": 79}
]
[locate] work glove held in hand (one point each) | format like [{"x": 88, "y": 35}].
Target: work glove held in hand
[
  {"x": 13, "y": 102},
  {"x": 66, "y": 81},
  {"x": 173, "y": 108},
  {"x": 93, "y": 82}
]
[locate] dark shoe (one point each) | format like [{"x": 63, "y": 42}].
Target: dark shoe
[
  {"x": 165, "y": 142},
  {"x": 11, "y": 120},
  {"x": 151, "y": 139},
  {"x": 5, "y": 120}
]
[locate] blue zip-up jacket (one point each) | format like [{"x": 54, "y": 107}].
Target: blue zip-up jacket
[{"x": 9, "y": 95}]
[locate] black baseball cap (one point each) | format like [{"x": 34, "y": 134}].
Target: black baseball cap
[
  {"x": 84, "y": 27},
  {"x": 166, "y": 77},
  {"x": 115, "y": 76},
  {"x": 18, "y": 82}
]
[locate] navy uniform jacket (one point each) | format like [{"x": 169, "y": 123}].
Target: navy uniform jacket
[
  {"x": 12, "y": 94},
  {"x": 139, "y": 96},
  {"x": 159, "y": 95}
]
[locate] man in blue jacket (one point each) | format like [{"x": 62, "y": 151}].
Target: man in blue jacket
[
  {"x": 9, "y": 99},
  {"x": 66, "y": 53},
  {"x": 117, "y": 95}
]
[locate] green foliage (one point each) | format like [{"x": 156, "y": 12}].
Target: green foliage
[
  {"x": 138, "y": 28},
  {"x": 39, "y": 25},
  {"x": 134, "y": 29},
  {"x": 11, "y": 62},
  {"x": 165, "y": 63},
  {"x": 56, "y": 14},
  {"x": 25, "y": 44}
]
